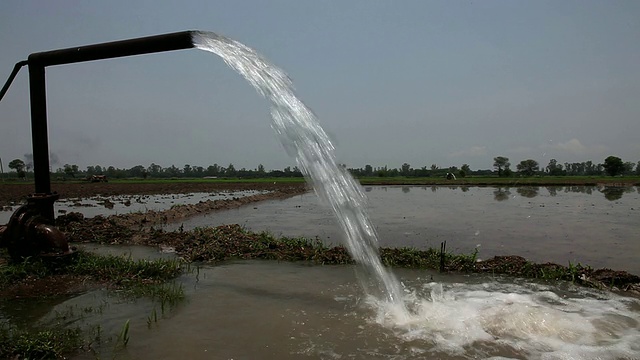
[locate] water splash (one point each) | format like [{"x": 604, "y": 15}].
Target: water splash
[
  {"x": 511, "y": 320},
  {"x": 304, "y": 138}
]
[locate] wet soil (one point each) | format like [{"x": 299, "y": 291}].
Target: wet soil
[
  {"x": 17, "y": 193},
  {"x": 54, "y": 285}
]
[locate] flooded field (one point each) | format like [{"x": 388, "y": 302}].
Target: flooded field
[
  {"x": 267, "y": 309},
  {"x": 272, "y": 309},
  {"x": 590, "y": 225},
  {"x": 124, "y": 204}
]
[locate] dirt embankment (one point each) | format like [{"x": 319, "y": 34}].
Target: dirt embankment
[
  {"x": 128, "y": 228},
  {"x": 17, "y": 193}
]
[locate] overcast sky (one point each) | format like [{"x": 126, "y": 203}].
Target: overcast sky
[{"x": 423, "y": 82}]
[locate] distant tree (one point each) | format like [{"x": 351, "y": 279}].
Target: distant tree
[
  {"x": 638, "y": 168},
  {"x": 69, "y": 170},
  {"x": 434, "y": 167},
  {"x": 554, "y": 168},
  {"x": 112, "y": 172},
  {"x": 186, "y": 170},
  {"x": 501, "y": 162},
  {"x": 172, "y": 171},
  {"x": 154, "y": 169},
  {"x": 528, "y": 167},
  {"x": 230, "y": 171},
  {"x": 599, "y": 169},
  {"x": 628, "y": 168},
  {"x": 589, "y": 168},
  {"x": 19, "y": 166},
  {"x": 466, "y": 168},
  {"x": 613, "y": 165},
  {"x": 137, "y": 171},
  {"x": 99, "y": 169},
  {"x": 405, "y": 170},
  {"x": 368, "y": 170},
  {"x": 422, "y": 172},
  {"x": 260, "y": 170},
  {"x": 213, "y": 170}
]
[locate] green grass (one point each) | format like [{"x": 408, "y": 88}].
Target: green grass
[
  {"x": 38, "y": 344},
  {"x": 496, "y": 181},
  {"x": 232, "y": 242},
  {"x": 142, "y": 278},
  {"x": 116, "y": 270}
]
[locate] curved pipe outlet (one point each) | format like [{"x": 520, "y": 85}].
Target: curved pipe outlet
[{"x": 52, "y": 240}]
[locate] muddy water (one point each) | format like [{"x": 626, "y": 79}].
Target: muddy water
[
  {"x": 271, "y": 310},
  {"x": 123, "y": 204},
  {"x": 590, "y": 225}
]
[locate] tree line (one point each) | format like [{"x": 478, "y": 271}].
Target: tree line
[
  {"x": 612, "y": 166},
  {"x": 156, "y": 171}
]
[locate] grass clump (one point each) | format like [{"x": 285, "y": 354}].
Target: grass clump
[
  {"x": 42, "y": 344},
  {"x": 122, "y": 270},
  {"x": 39, "y": 277},
  {"x": 105, "y": 269},
  {"x": 229, "y": 242}
]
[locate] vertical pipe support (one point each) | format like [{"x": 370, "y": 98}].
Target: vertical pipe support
[
  {"x": 38, "y": 94},
  {"x": 39, "y": 133}
]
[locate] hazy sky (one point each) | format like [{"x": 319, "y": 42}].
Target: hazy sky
[{"x": 423, "y": 82}]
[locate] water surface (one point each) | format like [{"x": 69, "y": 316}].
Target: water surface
[
  {"x": 542, "y": 224},
  {"x": 271, "y": 310},
  {"x": 124, "y": 204}
]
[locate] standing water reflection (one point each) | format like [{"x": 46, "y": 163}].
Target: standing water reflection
[{"x": 556, "y": 224}]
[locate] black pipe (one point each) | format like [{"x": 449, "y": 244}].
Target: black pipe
[
  {"x": 37, "y": 63},
  {"x": 146, "y": 45},
  {"x": 16, "y": 68},
  {"x": 39, "y": 137}
]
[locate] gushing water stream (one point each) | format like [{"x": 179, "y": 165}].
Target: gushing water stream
[{"x": 304, "y": 138}]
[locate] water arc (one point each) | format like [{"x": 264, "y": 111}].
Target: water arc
[{"x": 304, "y": 138}]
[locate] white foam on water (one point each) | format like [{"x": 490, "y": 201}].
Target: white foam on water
[
  {"x": 303, "y": 137},
  {"x": 530, "y": 321}
]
